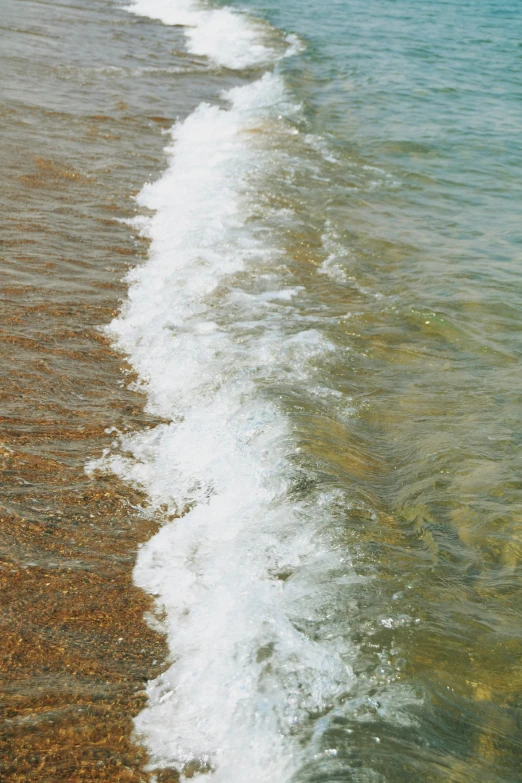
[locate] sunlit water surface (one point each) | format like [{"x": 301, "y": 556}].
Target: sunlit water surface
[{"x": 329, "y": 325}]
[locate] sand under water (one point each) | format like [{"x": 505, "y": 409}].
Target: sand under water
[{"x": 81, "y": 132}]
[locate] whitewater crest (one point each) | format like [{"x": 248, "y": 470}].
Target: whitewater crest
[
  {"x": 229, "y": 38},
  {"x": 231, "y": 575},
  {"x": 211, "y": 325}
]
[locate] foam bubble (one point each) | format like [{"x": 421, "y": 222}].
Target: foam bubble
[
  {"x": 235, "y": 576},
  {"x": 229, "y": 38}
]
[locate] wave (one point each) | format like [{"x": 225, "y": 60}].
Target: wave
[
  {"x": 228, "y": 38},
  {"x": 248, "y": 576},
  {"x": 230, "y": 573}
]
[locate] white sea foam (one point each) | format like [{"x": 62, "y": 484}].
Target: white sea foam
[
  {"x": 209, "y": 324},
  {"x": 229, "y": 38}
]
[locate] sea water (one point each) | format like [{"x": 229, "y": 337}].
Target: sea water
[{"x": 328, "y": 326}]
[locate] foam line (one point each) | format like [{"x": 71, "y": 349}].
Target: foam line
[
  {"x": 233, "y": 575},
  {"x": 230, "y": 39}
]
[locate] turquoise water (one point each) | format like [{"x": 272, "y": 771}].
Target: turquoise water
[{"x": 430, "y": 92}]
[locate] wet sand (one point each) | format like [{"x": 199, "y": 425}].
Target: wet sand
[{"x": 75, "y": 647}]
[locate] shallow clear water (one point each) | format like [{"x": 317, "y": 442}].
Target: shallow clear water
[
  {"x": 329, "y": 320},
  {"x": 328, "y": 326}
]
